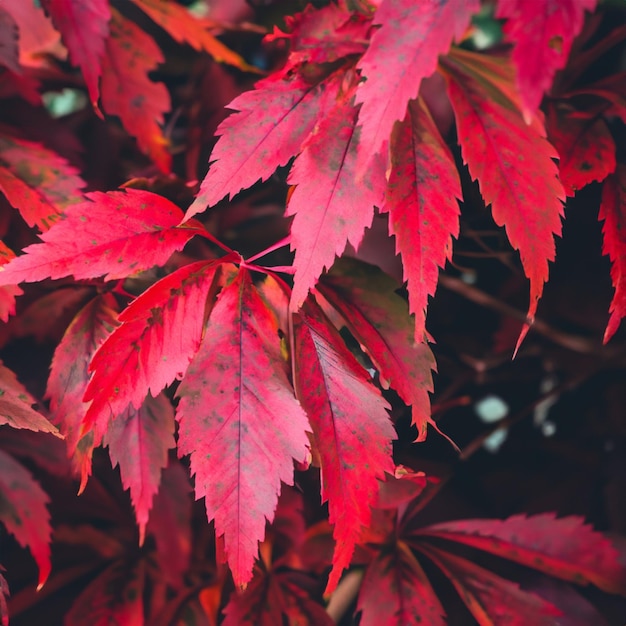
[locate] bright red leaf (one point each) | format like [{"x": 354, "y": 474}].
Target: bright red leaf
[
  {"x": 351, "y": 428},
  {"x": 566, "y": 548},
  {"x": 511, "y": 160},
  {"x": 9, "y": 50},
  {"x": 24, "y": 512},
  {"x": 84, "y": 27},
  {"x": 159, "y": 334},
  {"x": 240, "y": 422},
  {"x": 8, "y": 293},
  {"x": 402, "y": 52},
  {"x": 542, "y": 41},
  {"x": 613, "y": 212},
  {"x": 126, "y": 90},
  {"x": 113, "y": 234},
  {"x": 36, "y": 181},
  {"x": 139, "y": 441},
  {"x": 422, "y": 203}
]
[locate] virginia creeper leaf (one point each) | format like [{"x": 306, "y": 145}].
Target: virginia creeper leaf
[
  {"x": 16, "y": 403},
  {"x": 8, "y": 293},
  {"x": 269, "y": 127},
  {"x": 542, "y": 41},
  {"x": 613, "y": 212},
  {"x": 585, "y": 146},
  {"x": 127, "y": 92},
  {"x": 395, "y": 592},
  {"x": 422, "y": 203},
  {"x": 402, "y": 52},
  {"x": 240, "y": 422},
  {"x": 84, "y": 27},
  {"x": 566, "y": 548},
  {"x": 330, "y": 208},
  {"x": 24, "y": 513},
  {"x": 379, "y": 319},
  {"x": 69, "y": 376},
  {"x": 114, "y": 234},
  {"x": 159, "y": 334},
  {"x": 138, "y": 441},
  {"x": 492, "y": 600},
  {"x": 351, "y": 427},
  {"x": 512, "y": 162},
  {"x": 36, "y": 181}
]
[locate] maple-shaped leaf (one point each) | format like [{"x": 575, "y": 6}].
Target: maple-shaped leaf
[
  {"x": 240, "y": 422},
  {"x": 181, "y": 25},
  {"x": 160, "y": 332},
  {"x": 613, "y": 212},
  {"x": 512, "y": 161},
  {"x": 84, "y": 27},
  {"x": 8, "y": 293},
  {"x": 351, "y": 428},
  {"x": 128, "y": 92},
  {"x": 492, "y": 600},
  {"x": 69, "y": 376},
  {"x": 114, "y": 234},
  {"x": 269, "y": 127},
  {"x": 37, "y": 181},
  {"x": 9, "y": 49},
  {"x": 396, "y": 592},
  {"x": 4, "y": 594},
  {"x": 330, "y": 208},
  {"x": 542, "y": 42},
  {"x": 379, "y": 319},
  {"x": 585, "y": 146},
  {"x": 16, "y": 405},
  {"x": 566, "y": 548},
  {"x": 421, "y": 200},
  {"x": 402, "y": 52},
  {"x": 114, "y": 597},
  {"x": 138, "y": 442},
  {"x": 24, "y": 512}
]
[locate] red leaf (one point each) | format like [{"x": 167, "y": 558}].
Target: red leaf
[
  {"x": 4, "y": 594},
  {"x": 23, "y": 511},
  {"x": 69, "y": 376},
  {"x": 565, "y": 548},
  {"x": 159, "y": 334},
  {"x": 138, "y": 442},
  {"x": 128, "y": 92},
  {"x": 240, "y": 422},
  {"x": 268, "y": 129},
  {"x": 379, "y": 319},
  {"x": 114, "y": 597},
  {"x": 543, "y": 39},
  {"x": 9, "y": 50},
  {"x": 183, "y": 26},
  {"x": 493, "y": 601},
  {"x": 84, "y": 27},
  {"x": 403, "y": 51},
  {"x": 8, "y": 293},
  {"x": 585, "y": 146},
  {"x": 37, "y": 181},
  {"x": 115, "y": 234},
  {"x": 422, "y": 203},
  {"x": 351, "y": 427},
  {"x": 511, "y": 160},
  {"x": 403, "y": 486},
  {"x": 330, "y": 208},
  {"x": 16, "y": 403},
  {"x": 396, "y": 592},
  {"x": 613, "y": 212}
]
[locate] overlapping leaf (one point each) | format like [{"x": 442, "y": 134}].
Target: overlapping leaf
[
  {"x": 113, "y": 234},
  {"x": 352, "y": 430},
  {"x": 128, "y": 92},
  {"x": 84, "y": 27},
  {"x": 613, "y": 212},
  {"x": 138, "y": 441},
  {"x": 9, "y": 50},
  {"x": 240, "y": 422},
  {"x": 402, "y": 52},
  {"x": 511, "y": 160},
  {"x": 24, "y": 512},
  {"x": 8, "y": 293},
  {"x": 159, "y": 334},
  {"x": 542, "y": 41}
]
